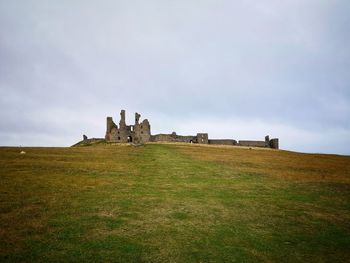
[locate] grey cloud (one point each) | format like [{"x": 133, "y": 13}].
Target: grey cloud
[{"x": 284, "y": 64}]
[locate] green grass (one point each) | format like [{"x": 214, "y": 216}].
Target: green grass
[{"x": 173, "y": 203}]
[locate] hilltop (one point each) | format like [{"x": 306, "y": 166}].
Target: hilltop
[{"x": 173, "y": 202}]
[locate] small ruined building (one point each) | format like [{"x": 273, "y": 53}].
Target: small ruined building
[
  {"x": 137, "y": 133},
  {"x": 140, "y": 132}
]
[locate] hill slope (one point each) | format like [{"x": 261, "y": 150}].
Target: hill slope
[{"x": 179, "y": 203}]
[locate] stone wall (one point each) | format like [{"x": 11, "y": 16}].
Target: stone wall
[
  {"x": 173, "y": 138},
  {"x": 142, "y": 132},
  {"x": 223, "y": 141},
  {"x": 202, "y": 138},
  {"x": 253, "y": 143},
  {"x": 274, "y": 143}
]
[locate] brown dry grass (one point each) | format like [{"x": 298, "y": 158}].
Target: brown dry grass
[{"x": 281, "y": 164}]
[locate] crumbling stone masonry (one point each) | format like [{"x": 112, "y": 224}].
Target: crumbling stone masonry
[
  {"x": 137, "y": 133},
  {"x": 141, "y": 133}
]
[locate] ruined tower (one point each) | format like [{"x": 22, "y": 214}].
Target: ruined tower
[{"x": 137, "y": 133}]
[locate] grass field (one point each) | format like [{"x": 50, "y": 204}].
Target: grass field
[{"x": 173, "y": 203}]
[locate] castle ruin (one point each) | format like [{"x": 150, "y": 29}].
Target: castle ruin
[
  {"x": 137, "y": 133},
  {"x": 140, "y": 132}
]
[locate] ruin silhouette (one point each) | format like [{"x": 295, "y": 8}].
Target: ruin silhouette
[{"x": 140, "y": 132}]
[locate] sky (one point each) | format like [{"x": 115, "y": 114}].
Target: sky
[{"x": 239, "y": 69}]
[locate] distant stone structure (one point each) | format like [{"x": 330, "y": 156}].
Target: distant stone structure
[
  {"x": 141, "y": 133},
  {"x": 137, "y": 133}
]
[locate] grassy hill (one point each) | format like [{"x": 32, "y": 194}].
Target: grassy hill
[{"x": 173, "y": 203}]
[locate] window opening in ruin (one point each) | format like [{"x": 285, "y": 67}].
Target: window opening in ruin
[
  {"x": 191, "y": 141},
  {"x": 129, "y": 139},
  {"x": 141, "y": 132},
  {"x": 118, "y": 138}
]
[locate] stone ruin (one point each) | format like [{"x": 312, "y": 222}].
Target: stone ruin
[
  {"x": 140, "y": 132},
  {"x": 137, "y": 133}
]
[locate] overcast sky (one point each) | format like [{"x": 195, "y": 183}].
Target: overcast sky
[{"x": 237, "y": 69}]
